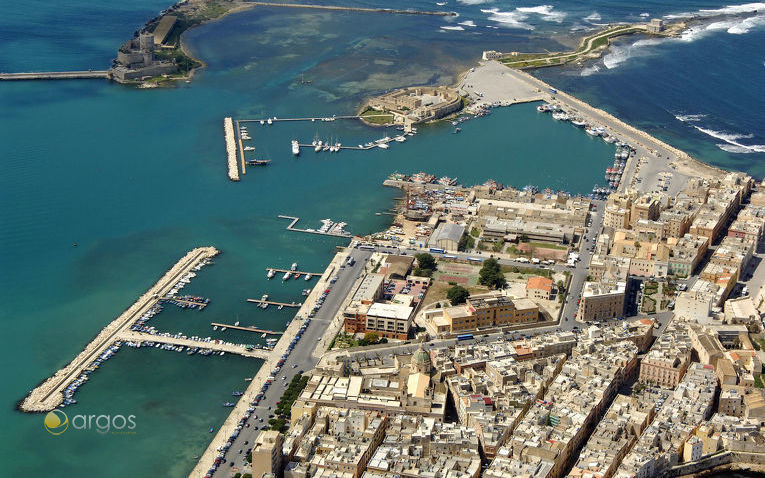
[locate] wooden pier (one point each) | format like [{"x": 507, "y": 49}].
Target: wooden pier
[
  {"x": 271, "y": 302},
  {"x": 250, "y": 328},
  {"x": 292, "y": 227}
]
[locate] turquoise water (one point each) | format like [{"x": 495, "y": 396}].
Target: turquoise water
[{"x": 137, "y": 177}]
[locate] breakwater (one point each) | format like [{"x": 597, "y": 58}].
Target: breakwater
[
  {"x": 228, "y": 130},
  {"x": 50, "y": 393},
  {"x": 356, "y": 9}
]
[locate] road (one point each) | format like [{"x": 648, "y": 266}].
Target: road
[{"x": 302, "y": 358}]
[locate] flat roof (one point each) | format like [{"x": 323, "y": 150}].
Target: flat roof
[{"x": 390, "y": 311}]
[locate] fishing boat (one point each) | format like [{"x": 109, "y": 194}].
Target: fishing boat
[
  {"x": 280, "y": 307},
  {"x": 286, "y": 276},
  {"x": 295, "y": 147},
  {"x": 249, "y": 148},
  {"x": 248, "y": 379},
  {"x": 270, "y": 121},
  {"x": 308, "y": 277},
  {"x": 317, "y": 146},
  {"x": 211, "y": 430},
  {"x": 258, "y": 162},
  {"x": 294, "y": 266},
  {"x": 237, "y": 393},
  {"x": 271, "y": 273},
  {"x": 297, "y": 275},
  {"x": 579, "y": 122},
  {"x": 456, "y": 130},
  {"x": 228, "y": 404},
  {"x": 236, "y": 324}
]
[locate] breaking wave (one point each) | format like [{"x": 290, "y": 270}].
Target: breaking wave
[
  {"x": 456, "y": 28},
  {"x": 517, "y": 18},
  {"x": 593, "y": 17},
  {"x": 467, "y": 23}
]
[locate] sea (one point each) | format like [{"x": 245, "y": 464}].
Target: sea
[{"x": 103, "y": 187}]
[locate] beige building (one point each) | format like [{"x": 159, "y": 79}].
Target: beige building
[
  {"x": 539, "y": 288},
  {"x": 645, "y": 207},
  {"x": 601, "y": 301},
  {"x": 488, "y": 310},
  {"x": 267, "y": 453}
]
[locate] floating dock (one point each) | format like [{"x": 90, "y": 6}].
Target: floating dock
[
  {"x": 251, "y": 328},
  {"x": 228, "y": 130},
  {"x": 301, "y": 273},
  {"x": 295, "y": 220},
  {"x": 50, "y": 394},
  {"x": 271, "y": 302}
]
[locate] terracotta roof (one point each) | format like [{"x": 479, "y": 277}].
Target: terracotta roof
[{"x": 539, "y": 283}]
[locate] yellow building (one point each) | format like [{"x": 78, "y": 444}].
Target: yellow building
[{"x": 267, "y": 453}]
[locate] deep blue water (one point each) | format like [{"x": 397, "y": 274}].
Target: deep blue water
[{"x": 137, "y": 177}]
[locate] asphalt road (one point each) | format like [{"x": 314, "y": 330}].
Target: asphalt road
[{"x": 301, "y": 358}]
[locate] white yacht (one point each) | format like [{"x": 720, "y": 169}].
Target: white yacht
[
  {"x": 294, "y": 266},
  {"x": 286, "y": 276},
  {"x": 295, "y": 147},
  {"x": 271, "y": 273}
]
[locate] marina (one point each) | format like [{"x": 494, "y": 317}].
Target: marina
[
  {"x": 58, "y": 390},
  {"x": 328, "y": 228},
  {"x": 293, "y": 272}
]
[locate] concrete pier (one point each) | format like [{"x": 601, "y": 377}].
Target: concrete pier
[
  {"x": 49, "y": 394},
  {"x": 56, "y": 75},
  {"x": 228, "y": 130},
  {"x": 217, "y": 346},
  {"x": 307, "y": 118}
]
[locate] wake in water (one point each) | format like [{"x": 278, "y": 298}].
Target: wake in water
[{"x": 732, "y": 142}]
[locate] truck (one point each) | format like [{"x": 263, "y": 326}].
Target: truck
[{"x": 436, "y": 250}]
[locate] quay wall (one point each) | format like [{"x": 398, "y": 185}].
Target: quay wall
[
  {"x": 229, "y": 425},
  {"x": 228, "y": 130},
  {"x": 49, "y": 394}
]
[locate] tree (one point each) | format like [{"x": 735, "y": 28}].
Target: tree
[
  {"x": 420, "y": 272},
  {"x": 425, "y": 261},
  {"x": 457, "y": 294},
  {"x": 491, "y": 274},
  {"x": 371, "y": 337}
]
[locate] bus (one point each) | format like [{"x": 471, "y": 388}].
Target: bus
[
  {"x": 367, "y": 247},
  {"x": 449, "y": 256},
  {"x": 475, "y": 259},
  {"x": 464, "y": 337},
  {"x": 437, "y": 249}
]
